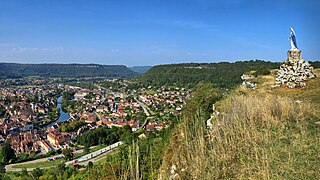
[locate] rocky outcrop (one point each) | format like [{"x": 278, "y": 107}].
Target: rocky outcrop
[
  {"x": 246, "y": 81},
  {"x": 294, "y": 71}
]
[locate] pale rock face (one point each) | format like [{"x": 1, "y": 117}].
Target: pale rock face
[
  {"x": 247, "y": 77},
  {"x": 173, "y": 172},
  {"x": 246, "y": 81},
  {"x": 294, "y": 71},
  {"x": 249, "y": 85}
]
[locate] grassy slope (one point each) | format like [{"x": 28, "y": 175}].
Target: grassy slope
[
  {"x": 310, "y": 93},
  {"x": 259, "y": 134},
  {"x": 40, "y": 164}
]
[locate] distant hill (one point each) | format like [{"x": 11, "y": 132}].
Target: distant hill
[
  {"x": 222, "y": 74},
  {"x": 13, "y": 70},
  {"x": 315, "y": 64},
  {"x": 140, "y": 69}
]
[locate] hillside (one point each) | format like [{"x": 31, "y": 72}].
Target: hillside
[
  {"x": 265, "y": 133},
  {"x": 140, "y": 69},
  {"x": 222, "y": 75},
  {"x": 12, "y": 70}
]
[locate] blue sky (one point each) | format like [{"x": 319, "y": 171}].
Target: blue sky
[{"x": 150, "y": 32}]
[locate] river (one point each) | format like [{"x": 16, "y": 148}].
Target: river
[{"x": 63, "y": 116}]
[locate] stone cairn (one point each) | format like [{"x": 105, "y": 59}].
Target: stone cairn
[{"x": 294, "y": 71}]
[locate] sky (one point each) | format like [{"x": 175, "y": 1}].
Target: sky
[{"x": 151, "y": 32}]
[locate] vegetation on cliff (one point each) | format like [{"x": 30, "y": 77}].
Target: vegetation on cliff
[
  {"x": 266, "y": 133},
  {"x": 222, "y": 75}
]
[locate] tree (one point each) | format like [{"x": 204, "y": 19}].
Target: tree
[
  {"x": 2, "y": 111},
  {"x": 2, "y": 168},
  {"x": 90, "y": 164},
  {"x": 127, "y": 136},
  {"x": 68, "y": 153},
  {"x": 36, "y": 173},
  {"x": 222, "y": 75},
  {"x": 86, "y": 148},
  {"x": 61, "y": 168},
  {"x": 24, "y": 172},
  {"x": 7, "y": 152},
  {"x": 204, "y": 96},
  {"x": 4, "y": 177},
  {"x": 127, "y": 128}
]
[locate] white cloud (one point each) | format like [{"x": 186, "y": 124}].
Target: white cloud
[{"x": 36, "y": 49}]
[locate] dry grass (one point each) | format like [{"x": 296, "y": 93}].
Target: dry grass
[
  {"x": 311, "y": 93},
  {"x": 265, "y": 138},
  {"x": 262, "y": 134}
]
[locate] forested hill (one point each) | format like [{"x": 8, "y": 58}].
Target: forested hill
[
  {"x": 12, "y": 70},
  {"x": 140, "y": 69},
  {"x": 223, "y": 74}
]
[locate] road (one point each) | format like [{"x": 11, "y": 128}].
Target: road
[
  {"x": 87, "y": 157},
  {"x": 9, "y": 167},
  {"x": 145, "y": 108}
]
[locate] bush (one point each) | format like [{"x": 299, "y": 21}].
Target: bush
[{"x": 263, "y": 72}]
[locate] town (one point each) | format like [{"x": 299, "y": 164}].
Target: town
[{"x": 39, "y": 120}]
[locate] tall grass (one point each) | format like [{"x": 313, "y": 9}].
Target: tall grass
[{"x": 254, "y": 137}]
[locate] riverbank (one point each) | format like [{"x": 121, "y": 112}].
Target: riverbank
[{"x": 63, "y": 116}]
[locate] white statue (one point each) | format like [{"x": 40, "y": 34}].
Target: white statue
[{"x": 292, "y": 38}]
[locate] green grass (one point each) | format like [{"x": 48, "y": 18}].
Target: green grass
[{"x": 40, "y": 164}]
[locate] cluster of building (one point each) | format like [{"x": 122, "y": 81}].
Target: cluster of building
[
  {"x": 41, "y": 141},
  {"x": 22, "y": 108},
  {"x": 163, "y": 103},
  {"x": 106, "y": 108},
  {"x": 166, "y": 100},
  {"x": 95, "y": 108}
]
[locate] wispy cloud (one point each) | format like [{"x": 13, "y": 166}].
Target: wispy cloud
[
  {"x": 7, "y": 44},
  {"x": 180, "y": 23},
  {"x": 36, "y": 49}
]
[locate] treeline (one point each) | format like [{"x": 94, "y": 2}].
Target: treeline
[
  {"x": 72, "y": 126},
  {"x": 12, "y": 70},
  {"x": 106, "y": 135},
  {"x": 315, "y": 64},
  {"x": 222, "y": 75}
]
